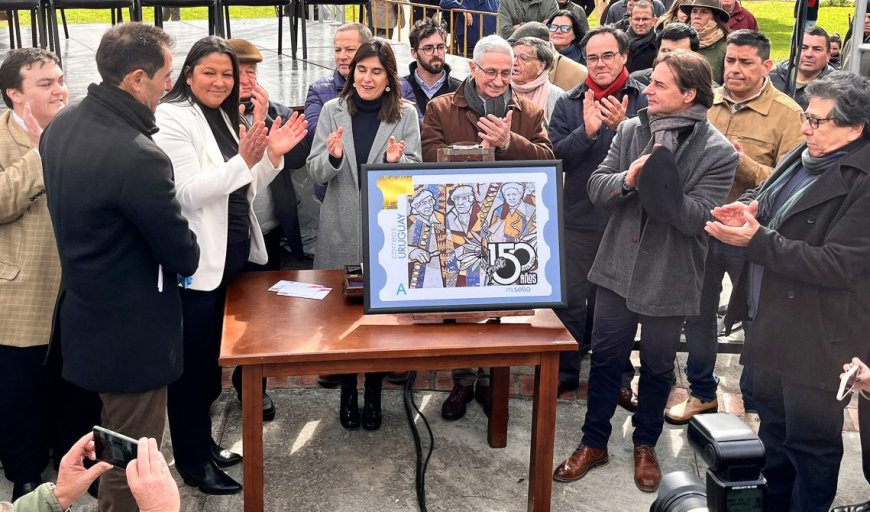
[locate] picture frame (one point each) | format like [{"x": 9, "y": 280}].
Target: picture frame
[{"x": 467, "y": 236}]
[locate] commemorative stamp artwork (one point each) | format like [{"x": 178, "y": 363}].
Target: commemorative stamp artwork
[{"x": 463, "y": 236}]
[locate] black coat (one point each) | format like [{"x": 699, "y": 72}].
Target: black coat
[
  {"x": 283, "y": 193},
  {"x": 112, "y": 201},
  {"x": 814, "y": 309},
  {"x": 449, "y": 85}
]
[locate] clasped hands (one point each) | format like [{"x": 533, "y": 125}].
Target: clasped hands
[
  {"x": 335, "y": 146},
  {"x": 281, "y": 138},
  {"x": 495, "y": 132},
  {"x": 735, "y": 223}
]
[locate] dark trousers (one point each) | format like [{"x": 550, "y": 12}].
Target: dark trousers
[
  {"x": 580, "y": 249},
  {"x": 702, "y": 339},
  {"x": 612, "y": 341},
  {"x": 191, "y": 396},
  {"x": 41, "y": 411},
  {"x": 135, "y": 415},
  {"x": 802, "y": 432}
]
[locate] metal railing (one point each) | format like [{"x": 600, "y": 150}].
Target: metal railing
[{"x": 388, "y": 19}]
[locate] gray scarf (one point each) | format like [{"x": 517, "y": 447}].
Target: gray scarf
[
  {"x": 665, "y": 129},
  {"x": 496, "y": 106}
]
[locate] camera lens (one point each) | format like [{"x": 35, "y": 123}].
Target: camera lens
[{"x": 680, "y": 492}]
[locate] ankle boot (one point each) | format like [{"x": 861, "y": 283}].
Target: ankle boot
[
  {"x": 348, "y": 413},
  {"x": 372, "y": 406}
]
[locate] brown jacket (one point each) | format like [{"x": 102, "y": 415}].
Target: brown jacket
[
  {"x": 29, "y": 265},
  {"x": 449, "y": 120},
  {"x": 767, "y": 128}
]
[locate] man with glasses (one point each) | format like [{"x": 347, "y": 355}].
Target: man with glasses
[
  {"x": 815, "y": 54},
  {"x": 566, "y": 73},
  {"x": 805, "y": 287},
  {"x": 763, "y": 124},
  {"x": 665, "y": 170},
  {"x": 430, "y": 75},
  {"x": 619, "y": 12},
  {"x": 484, "y": 110},
  {"x": 641, "y": 37},
  {"x": 583, "y": 124}
]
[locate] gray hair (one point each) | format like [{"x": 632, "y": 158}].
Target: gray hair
[
  {"x": 491, "y": 44},
  {"x": 365, "y": 34},
  {"x": 645, "y": 4},
  {"x": 543, "y": 50},
  {"x": 850, "y": 94}
]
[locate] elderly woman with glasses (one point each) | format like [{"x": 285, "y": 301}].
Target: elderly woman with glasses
[
  {"x": 804, "y": 287},
  {"x": 566, "y": 32},
  {"x": 533, "y": 60}
]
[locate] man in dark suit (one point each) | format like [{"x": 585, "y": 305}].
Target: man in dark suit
[{"x": 124, "y": 246}]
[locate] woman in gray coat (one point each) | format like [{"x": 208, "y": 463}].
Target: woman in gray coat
[{"x": 368, "y": 123}]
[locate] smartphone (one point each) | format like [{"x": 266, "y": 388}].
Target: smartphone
[
  {"x": 114, "y": 448},
  {"x": 847, "y": 382}
]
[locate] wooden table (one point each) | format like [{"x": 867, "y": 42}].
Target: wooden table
[{"x": 272, "y": 336}]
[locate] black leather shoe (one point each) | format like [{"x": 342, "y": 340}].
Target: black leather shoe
[
  {"x": 209, "y": 479},
  {"x": 223, "y": 458},
  {"x": 371, "y": 416},
  {"x": 19, "y": 489},
  {"x": 268, "y": 408},
  {"x": 565, "y": 387},
  {"x": 348, "y": 411}
]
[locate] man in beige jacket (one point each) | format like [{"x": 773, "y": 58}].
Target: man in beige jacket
[{"x": 32, "y": 85}]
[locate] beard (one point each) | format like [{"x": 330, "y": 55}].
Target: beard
[{"x": 433, "y": 66}]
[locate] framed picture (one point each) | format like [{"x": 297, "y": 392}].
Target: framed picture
[{"x": 470, "y": 236}]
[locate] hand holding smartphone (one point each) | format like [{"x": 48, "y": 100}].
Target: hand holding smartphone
[{"x": 114, "y": 448}]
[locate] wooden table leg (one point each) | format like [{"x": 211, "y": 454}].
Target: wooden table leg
[
  {"x": 498, "y": 417},
  {"x": 543, "y": 433},
  {"x": 252, "y": 436}
]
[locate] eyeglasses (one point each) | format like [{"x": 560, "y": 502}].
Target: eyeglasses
[
  {"x": 641, "y": 20},
  {"x": 815, "y": 122},
  {"x": 493, "y": 73},
  {"x": 566, "y": 29},
  {"x": 429, "y": 50},
  {"x": 606, "y": 57},
  {"x": 525, "y": 57}
]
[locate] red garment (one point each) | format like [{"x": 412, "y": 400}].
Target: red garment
[
  {"x": 611, "y": 89},
  {"x": 741, "y": 18}
]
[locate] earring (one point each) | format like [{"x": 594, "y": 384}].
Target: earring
[{"x": 388, "y": 88}]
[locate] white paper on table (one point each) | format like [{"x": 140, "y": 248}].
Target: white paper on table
[{"x": 297, "y": 289}]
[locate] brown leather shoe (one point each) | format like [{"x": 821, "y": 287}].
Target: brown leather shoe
[
  {"x": 684, "y": 411},
  {"x": 579, "y": 463},
  {"x": 647, "y": 474},
  {"x": 628, "y": 399},
  {"x": 454, "y": 407}
]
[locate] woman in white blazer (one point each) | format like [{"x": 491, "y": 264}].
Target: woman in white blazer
[
  {"x": 219, "y": 167},
  {"x": 368, "y": 123}
]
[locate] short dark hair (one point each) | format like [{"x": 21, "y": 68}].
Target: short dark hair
[
  {"x": 10, "y": 71},
  {"x": 181, "y": 91},
  {"x": 691, "y": 71},
  {"x": 127, "y": 47},
  {"x": 677, "y": 31},
  {"x": 850, "y": 94},
  {"x": 819, "y": 32},
  {"x": 836, "y": 38},
  {"x": 576, "y": 27},
  {"x": 746, "y": 37},
  {"x": 425, "y": 28},
  {"x": 619, "y": 35},
  {"x": 391, "y": 108}
]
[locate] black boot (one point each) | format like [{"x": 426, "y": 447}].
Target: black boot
[
  {"x": 372, "y": 406},
  {"x": 348, "y": 412}
]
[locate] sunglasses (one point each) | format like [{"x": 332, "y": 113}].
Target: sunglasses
[{"x": 565, "y": 29}]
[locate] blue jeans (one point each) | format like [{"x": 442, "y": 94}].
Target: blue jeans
[
  {"x": 701, "y": 331},
  {"x": 612, "y": 342}
]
